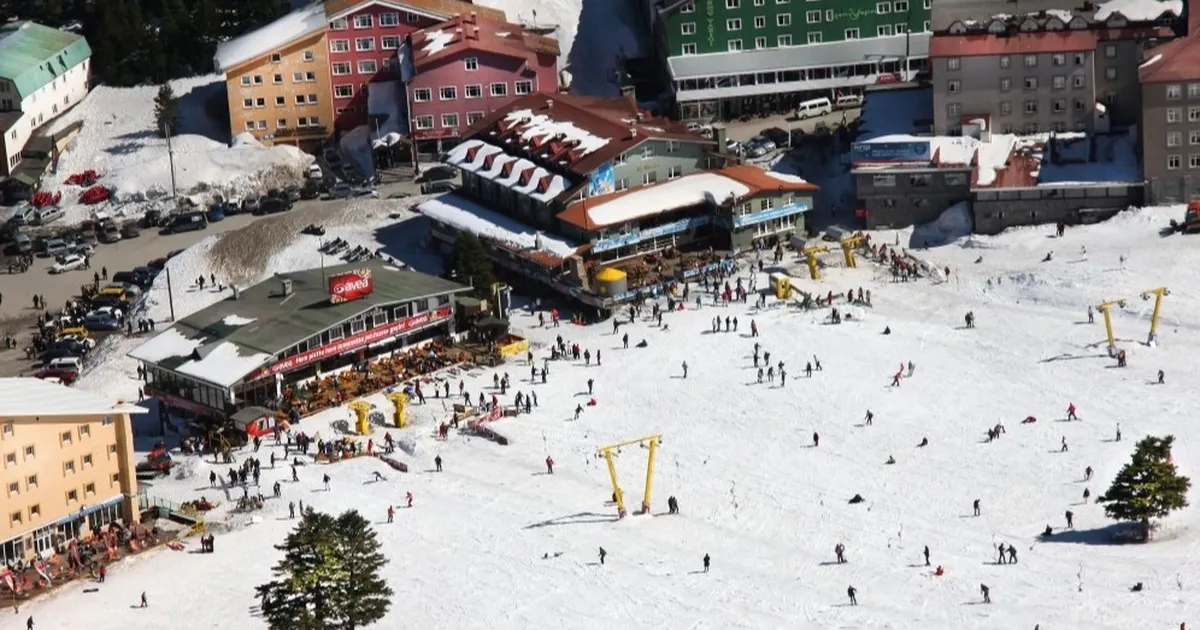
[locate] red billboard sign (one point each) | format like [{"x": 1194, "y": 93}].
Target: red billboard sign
[
  {"x": 351, "y": 285},
  {"x": 354, "y": 342},
  {"x": 435, "y": 134}
]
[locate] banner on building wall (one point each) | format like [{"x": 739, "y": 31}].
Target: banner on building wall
[
  {"x": 674, "y": 227},
  {"x": 916, "y": 151},
  {"x": 603, "y": 180},
  {"x": 773, "y": 213}
]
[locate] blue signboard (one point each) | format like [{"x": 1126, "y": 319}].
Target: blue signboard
[
  {"x": 674, "y": 227},
  {"x": 773, "y": 213},
  {"x": 916, "y": 151},
  {"x": 603, "y": 180}
]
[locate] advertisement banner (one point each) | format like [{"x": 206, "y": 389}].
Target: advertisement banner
[
  {"x": 916, "y": 151},
  {"x": 435, "y": 134},
  {"x": 674, "y": 227},
  {"x": 351, "y": 285},
  {"x": 354, "y": 342},
  {"x": 603, "y": 180},
  {"x": 773, "y": 213}
]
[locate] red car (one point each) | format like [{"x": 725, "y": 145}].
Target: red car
[
  {"x": 66, "y": 375},
  {"x": 885, "y": 79}
]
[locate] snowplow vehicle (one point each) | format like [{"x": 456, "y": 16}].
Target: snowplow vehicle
[
  {"x": 157, "y": 463},
  {"x": 1191, "y": 220}
]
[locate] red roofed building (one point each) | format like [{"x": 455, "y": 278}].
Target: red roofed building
[
  {"x": 463, "y": 69},
  {"x": 1042, "y": 72}
]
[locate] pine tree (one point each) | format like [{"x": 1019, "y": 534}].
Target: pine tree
[
  {"x": 471, "y": 263},
  {"x": 1148, "y": 487},
  {"x": 166, "y": 109},
  {"x": 328, "y": 578}
]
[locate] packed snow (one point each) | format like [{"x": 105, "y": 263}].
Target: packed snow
[
  {"x": 464, "y": 214},
  {"x": 536, "y": 126},
  {"x": 1139, "y": 10},
  {"x": 224, "y": 364},
  {"x": 119, "y": 142},
  {"x": 238, "y": 320},
  {"x": 288, "y": 28},
  {"x": 496, "y": 539},
  {"x": 436, "y": 41},
  {"x": 648, "y": 201}
]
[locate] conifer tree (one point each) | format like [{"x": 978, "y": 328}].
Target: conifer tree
[
  {"x": 166, "y": 109},
  {"x": 1148, "y": 487},
  {"x": 471, "y": 263}
]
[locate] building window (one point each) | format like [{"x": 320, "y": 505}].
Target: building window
[
  {"x": 1174, "y": 138},
  {"x": 249, "y": 125},
  {"x": 276, "y": 57},
  {"x": 339, "y": 69},
  {"x": 72, "y": 496},
  {"x": 347, "y": 91},
  {"x": 953, "y": 109},
  {"x": 339, "y": 45},
  {"x": 389, "y": 19},
  {"x": 277, "y": 78},
  {"x": 1193, "y": 90},
  {"x": 299, "y": 99},
  {"x": 953, "y": 63},
  {"x": 1110, "y": 74},
  {"x": 812, "y": 17},
  {"x": 1058, "y": 106},
  {"x": 312, "y": 99},
  {"x": 14, "y": 518},
  {"x": 1005, "y": 84},
  {"x": 733, "y": 4},
  {"x": 14, "y": 488},
  {"x": 297, "y": 77},
  {"x": 1080, "y": 106},
  {"x": 814, "y": 37},
  {"x": 413, "y": 17},
  {"x": 1077, "y": 81},
  {"x": 760, "y": 43},
  {"x": 883, "y": 181},
  {"x": 687, "y": 49},
  {"x": 338, "y": 24},
  {"x": 422, "y": 95},
  {"x": 1030, "y": 61},
  {"x": 389, "y": 42},
  {"x": 424, "y": 122},
  {"x": 675, "y": 171},
  {"x": 953, "y": 86},
  {"x": 734, "y": 24},
  {"x": 247, "y": 103},
  {"x": 1031, "y": 106},
  {"x": 900, "y": 7},
  {"x": 367, "y": 66},
  {"x": 69, "y": 467},
  {"x": 1194, "y": 137},
  {"x": 65, "y": 438},
  {"x": 448, "y": 93},
  {"x": 901, "y": 28},
  {"x": 10, "y": 459},
  {"x": 783, "y": 41},
  {"x": 258, "y": 80},
  {"x": 1058, "y": 59},
  {"x": 649, "y": 178},
  {"x": 280, "y": 101},
  {"x": 1194, "y": 160},
  {"x": 30, "y": 452},
  {"x": 1031, "y": 83},
  {"x": 246, "y": 81},
  {"x": 830, "y": 15},
  {"x": 688, "y": 8},
  {"x": 499, "y": 89},
  {"x": 35, "y": 511},
  {"x": 473, "y": 117},
  {"x": 783, "y": 19},
  {"x": 471, "y": 64},
  {"x": 1174, "y": 114},
  {"x": 450, "y": 120},
  {"x": 1110, "y": 51},
  {"x": 1005, "y": 108},
  {"x": 883, "y": 7},
  {"x": 364, "y": 44},
  {"x": 262, "y": 124},
  {"x": 647, "y": 151},
  {"x": 87, "y": 460},
  {"x": 1175, "y": 92},
  {"x": 473, "y": 91},
  {"x": 364, "y": 20},
  {"x": 851, "y": 33},
  {"x": 687, "y": 28},
  {"x": 280, "y": 123},
  {"x": 1193, "y": 113},
  {"x": 883, "y": 30},
  {"x": 308, "y": 55},
  {"x": 1005, "y": 61},
  {"x": 1173, "y": 162},
  {"x": 523, "y": 87},
  {"x": 1058, "y": 82},
  {"x": 6, "y": 430}
]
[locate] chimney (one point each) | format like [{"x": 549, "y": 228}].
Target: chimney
[
  {"x": 285, "y": 286},
  {"x": 549, "y": 103},
  {"x": 475, "y": 32},
  {"x": 633, "y": 132},
  {"x": 473, "y": 16}
]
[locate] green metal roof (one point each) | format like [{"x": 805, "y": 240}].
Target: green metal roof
[{"x": 32, "y": 55}]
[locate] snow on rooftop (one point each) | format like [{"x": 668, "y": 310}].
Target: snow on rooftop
[
  {"x": 290, "y": 27},
  {"x": 785, "y": 177},
  {"x": 540, "y": 126},
  {"x": 992, "y": 156},
  {"x": 223, "y": 365},
  {"x": 1114, "y": 159},
  {"x": 35, "y": 397},
  {"x": 168, "y": 343},
  {"x": 436, "y": 41},
  {"x": 458, "y": 155},
  {"x": 238, "y": 320},
  {"x": 887, "y": 112},
  {"x": 1139, "y": 10},
  {"x": 677, "y": 193},
  {"x": 465, "y": 214},
  {"x": 1149, "y": 62}
]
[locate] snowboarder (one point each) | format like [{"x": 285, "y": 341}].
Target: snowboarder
[
  {"x": 603, "y": 553},
  {"x": 840, "y": 551},
  {"x": 326, "y": 480},
  {"x": 1070, "y": 519},
  {"x": 378, "y": 476},
  {"x": 924, "y": 442},
  {"x": 926, "y": 555},
  {"x": 685, "y": 368},
  {"x": 852, "y": 592},
  {"x": 1071, "y": 412},
  {"x": 1064, "y": 445},
  {"x": 549, "y": 465},
  {"x": 987, "y": 593},
  {"x": 437, "y": 461},
  {"x": 391, "y": 513},
  {"x": 975, "y": 506},
  {"x": 707, "y": 561}
]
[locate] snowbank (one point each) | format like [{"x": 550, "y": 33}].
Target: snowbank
[
  {"x": 472, "y": 217},
  {"x": 954, "y": 223},
  {"x": 118, "y": 141}
]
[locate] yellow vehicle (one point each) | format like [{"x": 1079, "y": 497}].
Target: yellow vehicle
[
  {"x": 114, "y": 289},
  {"x": 74, "y": 331}
]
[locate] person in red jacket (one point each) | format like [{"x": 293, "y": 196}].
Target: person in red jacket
[{"x": 549, "y": 465}]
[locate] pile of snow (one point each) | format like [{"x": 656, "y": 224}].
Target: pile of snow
[
  {"x": 648, "y": 201},
  {"x": 954, "y": 223},
  {"x": 119, "y": 141},
  {"x": 533, "y": 126},
  {"x": 465, "y": 214}
]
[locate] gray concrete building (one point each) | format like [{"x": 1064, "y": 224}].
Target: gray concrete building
[{"x": 1170, "y": 125}]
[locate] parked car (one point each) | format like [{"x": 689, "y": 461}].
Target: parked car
[
  {"x": 67, "y": 262},
  {"x": 108, "y": 232},
  {"x": 311, "y": 190},
  {"x": 292, "y": 193},
  {"x": 65, "y": 363},
  {"x": 64, "y": 374},
  {"x": 21, "y": 244},
  {"x": 83, "y": 249},
  {"x": 271, "y": 205},
  {"x": 187, "y": 222},
  {"x": 315, "y": 172},
  {"x": 107, "y": 311},
  {"x": 101, "y": 322},
  {"x": 436, "y": 188},
  {"x": 438, "y": 173},
  {"x": 101, "y": 301},
  {"x": 51, "y": 355},
  {"x": 340, "y": 190},
  {"x": 779, "y": 136},
  {"x": 146, "y": 276},
  {"x": 130, "y": 230},
  {"x": 216, "y": 212},
  {"x": 250, "y": 205},
  {"x": 364, "y": 191},
  {"x": 74, "y": 348},
  {"x": 48, "y": 215},
  {"x": 22, "y": 215},
  {"x": 85, "y": 341},
  {"x": 152, "y": 218},
  {"x": 54, "y": 247}
]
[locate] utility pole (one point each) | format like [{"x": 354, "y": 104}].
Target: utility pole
[
  {"x": 170, "y": 294},
  {"x": 171, "y": 160},
  {"x": 908, "y": 41}
]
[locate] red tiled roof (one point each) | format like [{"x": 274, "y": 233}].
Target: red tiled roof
[
  {"x": 471, "y": 32},
  {"x": 1020, "y": 172},
  {"x": 444, "y": 8},
  {"x": 1016, "y": 44},
  {"x": 1178, "y": 60}
]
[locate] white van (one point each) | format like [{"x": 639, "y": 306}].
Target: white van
[
  {"x": 848, "y": 101},
  {"x": 64, "y": 363},
  {"x": 813, "y": 108},
  {"x": 48, "y": 215}
]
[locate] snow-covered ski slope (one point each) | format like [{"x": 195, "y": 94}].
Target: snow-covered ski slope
[{"x": 754, "y": 494}]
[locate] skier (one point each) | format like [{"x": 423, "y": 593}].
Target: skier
[
  {"x": 870, "y": 417},
  {"x": 578, "y": 410},
  {"x": 816, "y": 439},
  {"x": 685, "y": 368},
  {"x": 409, "y": 498},
  {"x": 782, "y": 377},
  {"x": 672, "y": 505},
  {"x": 391, "y": 513},
  {"x": 603, "y": 553},
  {"x": 760, "y": 375},
  {"x": 852, "y": 592},
  {"x": 212, "y": 479},
  {"x": 1118, "y": 437},
  {"x": 625, "y": 340},
  {"x": 291, "y": 509},
  {"x": 1160, "y": 377},
  {"x": 590, "y": 384},
  {"x": 1064, "y": 445},
  {"x": 1071, "y": 412},
  {"x": 987, "y": 593},
  {"x": 911, "y": 368},
  {"x": 1070, "y": 519},
  {"x": 840, "y": 551},
  {"x": 970, "y": 318},
  {"x": 549, "y": 465},
  {"x": 926, "y": 555},
  {"x": 437, "y": 461},
  {"x": 29, "y": 623},
  {"x": 975, "y": 505},
  {"x": 1003, "y": 548},
  {"x": 326, "y": 480},
  {"x": 1012, "y": 554},
  {"x": 1087, "y": 494},
  {"x": 896, "y": 378},
  {"x": 808, "y": 369},
  {"x": 1091, "y": 315},
  {"x": 707, "y": 561},
  {"x": 1087, "y": 473},
  {"x": 144, "y": 604}
]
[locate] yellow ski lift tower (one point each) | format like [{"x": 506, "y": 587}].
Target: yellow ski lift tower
[
  {"x": 1159, "y": 294},
  {"x": 361, "y": 409},
  {"x": 810, "y": 258},
  {"x": 400, "y": 400},
  {"x": 609, "y": 452},
  {"x": 1104, "y": 307},
  {"x": 848, "y": 245}
]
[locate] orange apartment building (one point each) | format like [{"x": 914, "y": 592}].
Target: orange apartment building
[
  {"x": 277, "y": 81},
  {"x": 67, "y": 466}
]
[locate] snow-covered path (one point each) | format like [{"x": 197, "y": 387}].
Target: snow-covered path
[{"x": 753, "y": 492}]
